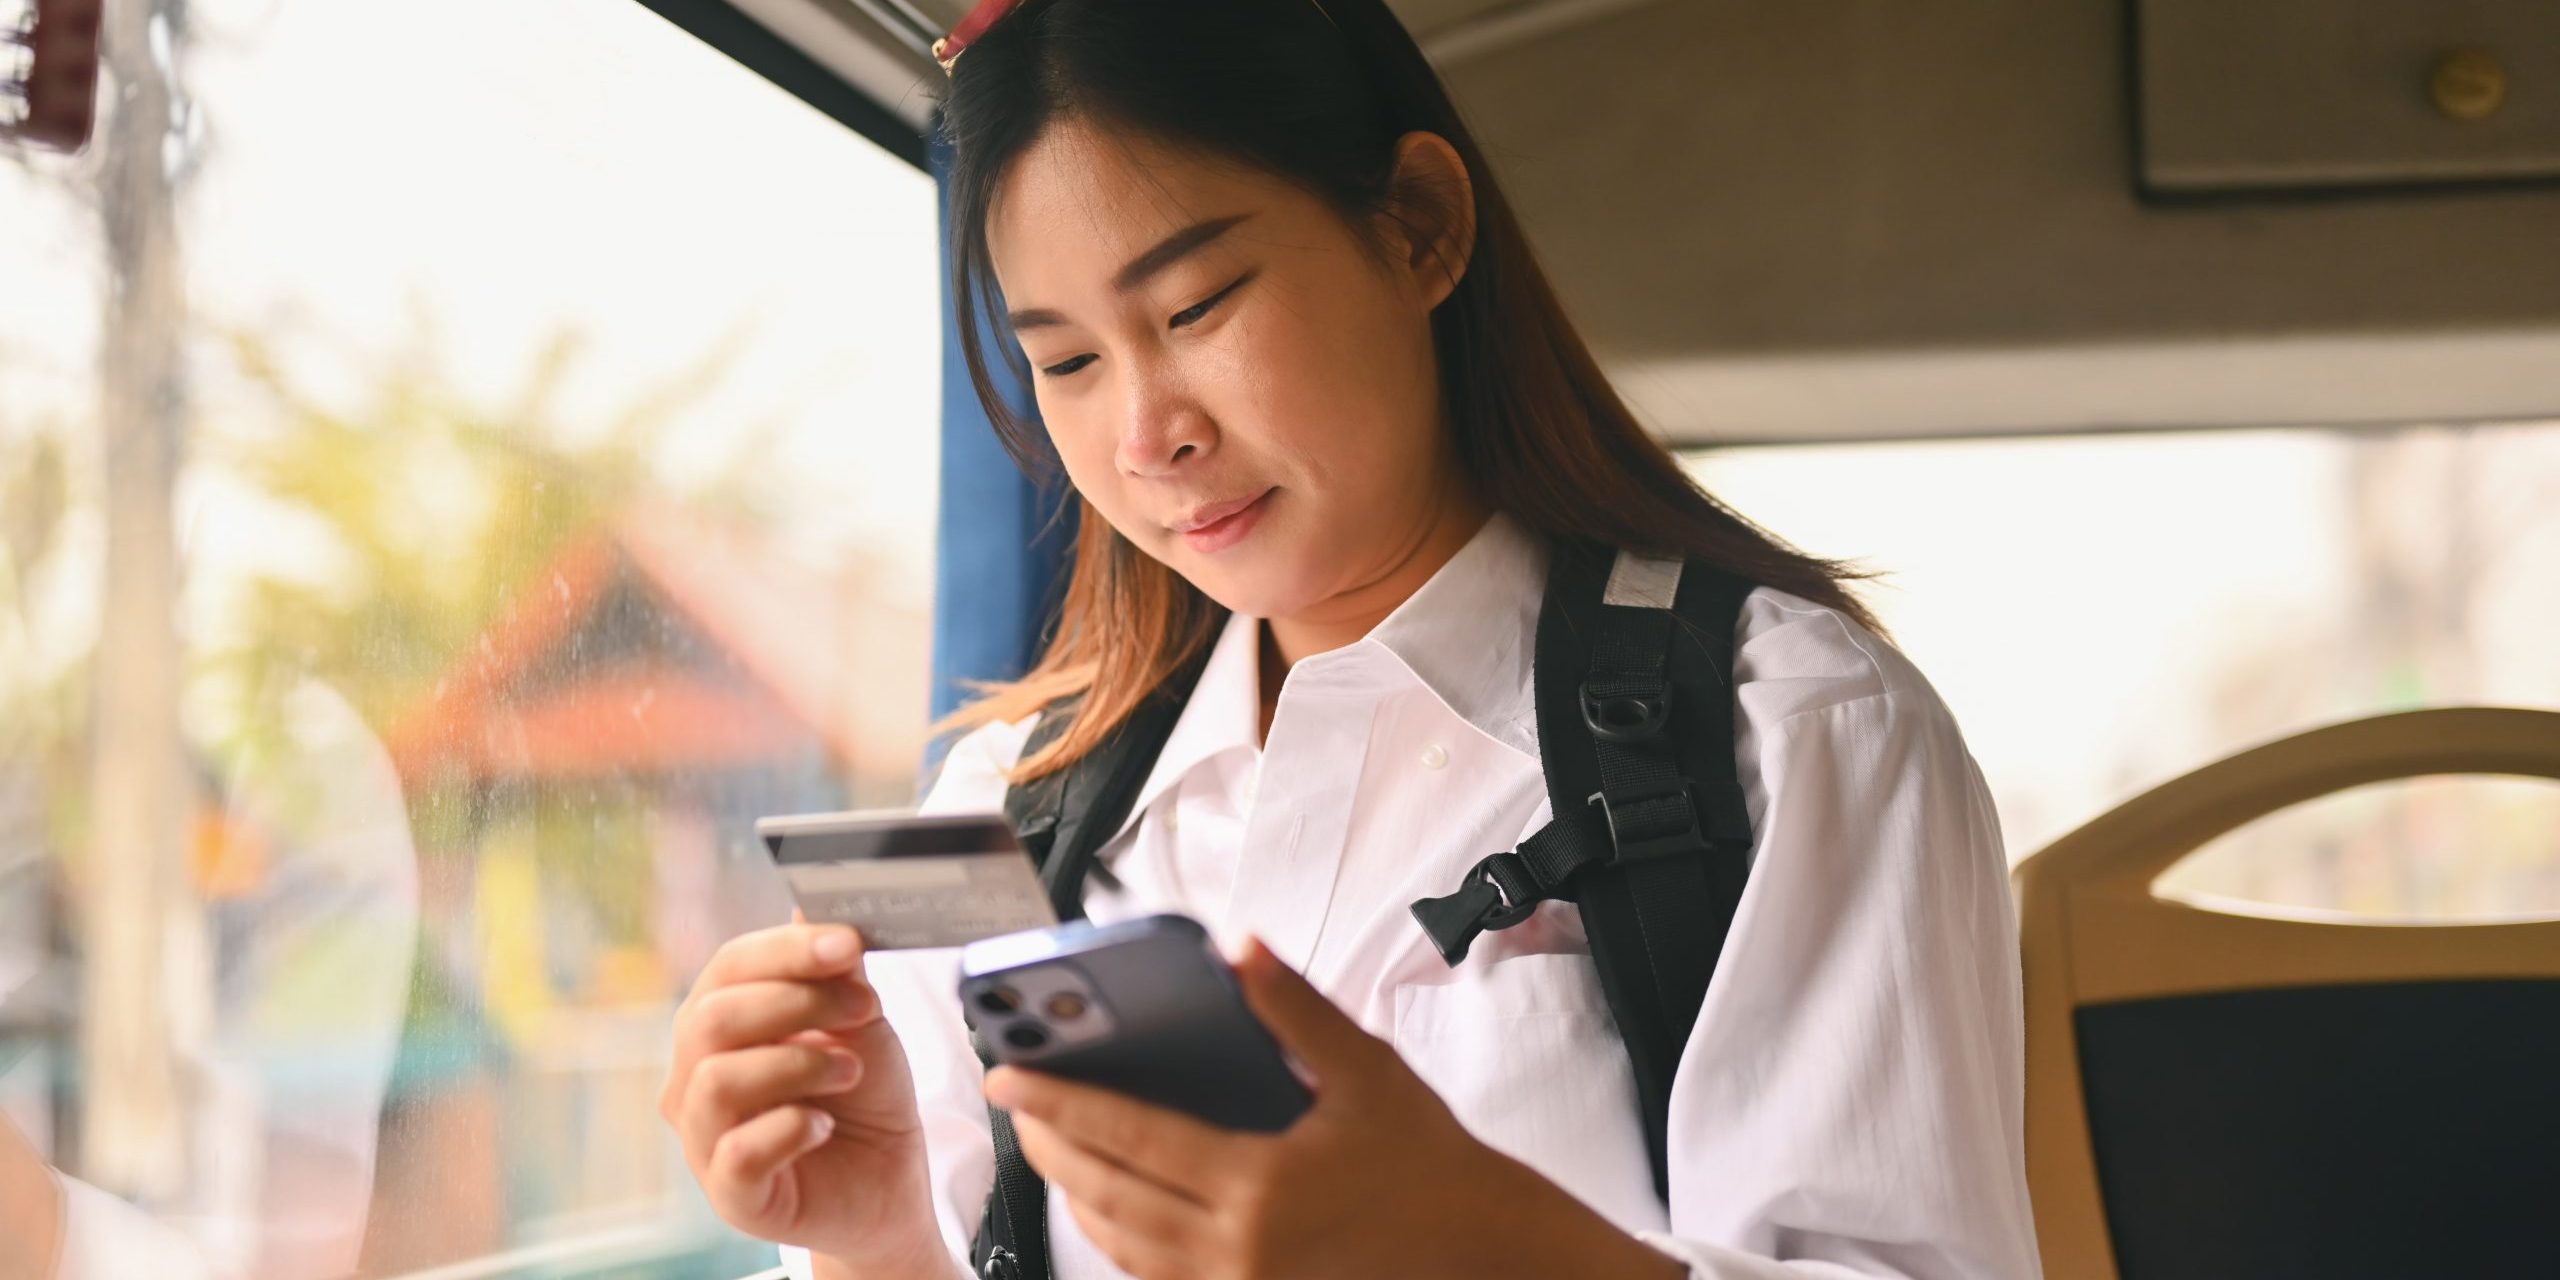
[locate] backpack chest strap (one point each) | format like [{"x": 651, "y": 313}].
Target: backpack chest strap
[{"x": 1641, "y": 805}]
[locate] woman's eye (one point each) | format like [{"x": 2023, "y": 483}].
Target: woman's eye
[
  {"x": 1193, "y": 313},
  {"x": 1065, "y": 367}
]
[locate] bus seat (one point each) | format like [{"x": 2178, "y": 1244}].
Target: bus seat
[{"x": 2212, "y": 1094}]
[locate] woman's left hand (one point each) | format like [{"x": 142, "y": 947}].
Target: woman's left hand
[{"x": 1377, "y": 1178}]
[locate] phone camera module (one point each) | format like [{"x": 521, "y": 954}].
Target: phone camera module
[
  {"x": 1065, "y": 1006},
  {"x": 1000, "y": 1000},
  {"x": 1025, "y": 1035}
]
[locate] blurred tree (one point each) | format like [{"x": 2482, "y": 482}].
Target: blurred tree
[
  {"x": 431, "y": 510},
  {"x": 433, "y": 513},
  {"x": 421, "y": 515}
]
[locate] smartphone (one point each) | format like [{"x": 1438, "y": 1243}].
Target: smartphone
[
  {"x": 909, "y": 880},
  {"x": 1145, "y": 1007}
]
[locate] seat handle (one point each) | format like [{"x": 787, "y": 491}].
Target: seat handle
[{"x": 2133, "y": 844}]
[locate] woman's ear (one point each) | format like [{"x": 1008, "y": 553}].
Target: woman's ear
[{"x": 1432, "y": 214}]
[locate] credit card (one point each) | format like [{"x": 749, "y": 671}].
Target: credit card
[{"x": 906, "y": 880}]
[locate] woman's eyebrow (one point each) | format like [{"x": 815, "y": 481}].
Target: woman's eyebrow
[
  {"x": 1174, "y": 248},
  {"x": 1146, "y": 266}
]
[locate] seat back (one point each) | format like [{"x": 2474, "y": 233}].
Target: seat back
[{"x": 2212, "y": 1094}]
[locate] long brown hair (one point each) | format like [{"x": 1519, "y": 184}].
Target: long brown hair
[{"x": 1316, "y": 92}]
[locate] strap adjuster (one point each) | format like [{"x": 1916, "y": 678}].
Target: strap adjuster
[
  {"x": 1686, "y": 838},
  {"x": 1627, "y": 717}
]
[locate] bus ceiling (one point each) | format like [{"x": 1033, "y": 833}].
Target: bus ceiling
[{"x": 1807, "y": 222}]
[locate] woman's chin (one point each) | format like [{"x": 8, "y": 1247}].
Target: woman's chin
[
  {"x": 1247, "y": 585},
  {"x": 1251, "y": 599}
]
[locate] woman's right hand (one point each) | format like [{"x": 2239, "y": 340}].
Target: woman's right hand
[{"x": 794, "y": 1103}]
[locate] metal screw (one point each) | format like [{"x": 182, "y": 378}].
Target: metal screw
[{"x": 2468, "y": 84}]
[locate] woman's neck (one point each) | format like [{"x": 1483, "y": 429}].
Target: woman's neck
[{"x": 1345, "y": 618}]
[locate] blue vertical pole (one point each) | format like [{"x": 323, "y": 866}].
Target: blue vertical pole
[{"x": 995, "y": 575}]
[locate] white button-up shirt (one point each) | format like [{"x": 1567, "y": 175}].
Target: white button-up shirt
[{"x": 1849, "y": 1102}]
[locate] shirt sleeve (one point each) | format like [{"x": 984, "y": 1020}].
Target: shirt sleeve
[
  {"x": 1850, "y": 1101},
  {"x": 918, "y": 995}
]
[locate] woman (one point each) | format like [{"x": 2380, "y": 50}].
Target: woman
[{"x": 1325, "y": 417}]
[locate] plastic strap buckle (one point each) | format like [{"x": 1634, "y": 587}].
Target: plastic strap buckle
[{"x": 1452, "y": 922}]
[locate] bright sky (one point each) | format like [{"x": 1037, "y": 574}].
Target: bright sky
[{"x": 491, "y": 173}]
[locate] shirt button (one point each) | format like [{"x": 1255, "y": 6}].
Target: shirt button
[{"x": 1434, "y": 756}]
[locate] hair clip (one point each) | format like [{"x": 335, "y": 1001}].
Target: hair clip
[{"x": 947, "y": 50}]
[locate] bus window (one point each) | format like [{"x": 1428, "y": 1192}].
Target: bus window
[
  {"x": 508, "y": 478},
  {"x": 2105, "y": 613},
  {"x": 2433, "y": 849}
]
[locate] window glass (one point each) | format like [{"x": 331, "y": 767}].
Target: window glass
[
  {"x": 461, "y": 462},
  {"x": 2427, "y": 849},
  {"x": 2106, "y": 613}
]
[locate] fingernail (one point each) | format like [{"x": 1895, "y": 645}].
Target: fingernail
[
  {"x": 821, "y": 1124},
  {"x": 842, "y": 1066},
  {"x": 864, "y": 1003},
  {"x": 835, "y": 946},
  {"x": 1002, "y": 1089}
]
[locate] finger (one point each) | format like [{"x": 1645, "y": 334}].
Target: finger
[
  {"x": 797, "y": 950},
  {"x": 728, "y": 1089},
  {"x": 1112, "y": 1191},
  {"x": 741, "y": 1174},
  {"x": 1132, "y": 1251},
  {"x": 1160, "y": 1144},
  {"x": 1305, "y": 1022},
  {"x": 789, "y": 952},
  {"x": 758, "y": 1013}
]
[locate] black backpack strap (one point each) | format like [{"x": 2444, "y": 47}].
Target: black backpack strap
[
  {"x": 1657, "y": 917},
  {"x": 1650, "y": 836},
  {"x": 1064, "y": 819},
  {"x": 1013, "y": 1235}
]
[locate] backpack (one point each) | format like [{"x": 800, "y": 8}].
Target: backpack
[{"x": 1650, "y": 839}]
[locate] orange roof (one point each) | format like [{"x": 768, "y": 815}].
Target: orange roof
[
  {"x": 820, "y": 655},
  {"x": 649, "y": 720}
]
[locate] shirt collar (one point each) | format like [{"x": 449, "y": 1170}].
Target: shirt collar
[
  {"x": 1224, "y": 713},
  {"x": 1468, "y": 635}
]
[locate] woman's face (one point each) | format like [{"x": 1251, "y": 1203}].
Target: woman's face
[{"x": 1232, "y": 380}]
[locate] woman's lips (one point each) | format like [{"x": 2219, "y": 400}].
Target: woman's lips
[{"x": 1226, "y": 529}]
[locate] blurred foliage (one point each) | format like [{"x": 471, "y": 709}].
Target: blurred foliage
[
  {"x": 41, "y": 704},
  {"x": 429, "y": 509},
  {"x": 422, "y": 515},
  {"x": 435, "y": 511}
]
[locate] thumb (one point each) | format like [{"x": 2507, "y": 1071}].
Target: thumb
[{"x": 1301, "y": 1018}]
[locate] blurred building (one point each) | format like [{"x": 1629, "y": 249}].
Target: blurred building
[{"x": 584, "y": 784}]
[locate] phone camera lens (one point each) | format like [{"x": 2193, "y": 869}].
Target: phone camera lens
[
  {"x": 1000, "y": 1000},
  {"x": 1025, "y": 1035},
  {"x": 1066, "y": 1006}
]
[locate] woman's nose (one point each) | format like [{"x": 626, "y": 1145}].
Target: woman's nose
[{"x": 1164, "y": 430}]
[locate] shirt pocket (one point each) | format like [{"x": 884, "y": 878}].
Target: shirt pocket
[{"x": 1525, "y": 1052}]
